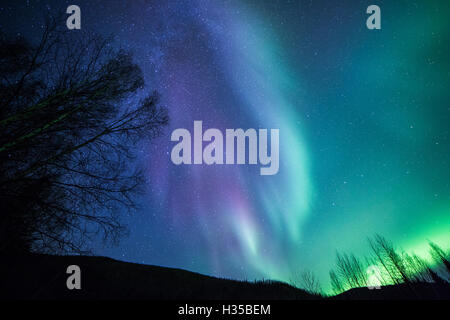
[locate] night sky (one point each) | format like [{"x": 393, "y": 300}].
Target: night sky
[{"x": 364, "y": 120}]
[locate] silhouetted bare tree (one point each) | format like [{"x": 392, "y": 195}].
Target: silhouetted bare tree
[
  {"x": 351, "y": 271},
  {"x": 307, "y": 281},
  {"x": 336, "y": 285},
  {"x": 440, "y": 256},
  {"x": 416, "y": 268},
  {"x": 72, "y": 111},
  {"x": 387, "y": 256}
]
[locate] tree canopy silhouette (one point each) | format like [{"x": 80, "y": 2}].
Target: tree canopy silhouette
[{"x": 72, "y": 110}]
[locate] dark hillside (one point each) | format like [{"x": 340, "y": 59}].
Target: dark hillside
[{"x": 44, "y": 277}]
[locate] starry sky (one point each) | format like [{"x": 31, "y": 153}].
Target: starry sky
[{"x": 363, "y": 115}]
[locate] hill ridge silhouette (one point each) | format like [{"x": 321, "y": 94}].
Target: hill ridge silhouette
[{"x": 43, "y": 277}]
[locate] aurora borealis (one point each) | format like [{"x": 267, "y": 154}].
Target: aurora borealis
[{"x": 363, "y": 115}]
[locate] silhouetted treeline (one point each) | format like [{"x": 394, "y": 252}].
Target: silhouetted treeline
[
  {"x": 72, "y": 109},
  {"x": 387, "y": 265}
]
